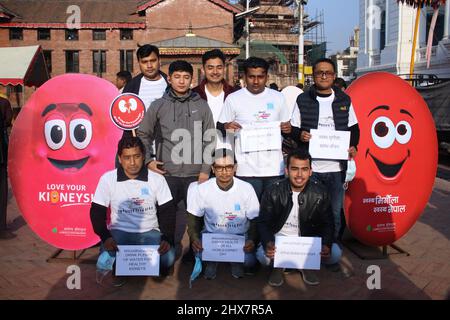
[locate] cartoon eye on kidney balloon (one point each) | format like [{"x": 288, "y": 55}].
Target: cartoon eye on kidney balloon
[
  {"x": 62, "y": 142},
  {"x": 396, "y": 161}
]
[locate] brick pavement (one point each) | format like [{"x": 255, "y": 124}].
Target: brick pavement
[{"x": 425, "y": 274}]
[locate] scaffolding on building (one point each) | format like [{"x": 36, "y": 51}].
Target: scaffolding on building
[{"x": 274, "y": 37}]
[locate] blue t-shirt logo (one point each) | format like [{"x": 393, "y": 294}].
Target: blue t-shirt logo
[
  {"x": 145, "y": 192},
  {"x": 237, "y": 207},
  {"x": 270, "y": 106}
]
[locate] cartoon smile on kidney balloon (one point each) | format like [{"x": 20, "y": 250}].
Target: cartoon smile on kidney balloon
[
  {"x": 396, "y": 161},
  {"x": 62, "y": 142}
]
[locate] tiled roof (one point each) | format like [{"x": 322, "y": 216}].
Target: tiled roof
[
  {"x": 55, "y": 11},
  {"x": 223, "y": 3},
  {"x": 194, "y": 45},
  {"x": 193, "y": 42}
]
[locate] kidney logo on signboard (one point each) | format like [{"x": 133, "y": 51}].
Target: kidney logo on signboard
[
  {"x": 127, "y": 111},
  {"x": 396, "y": 161},
  {"x": 61, "y": 144}
]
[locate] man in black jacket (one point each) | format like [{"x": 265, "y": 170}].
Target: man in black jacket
[{"x": 296, "y": 206}]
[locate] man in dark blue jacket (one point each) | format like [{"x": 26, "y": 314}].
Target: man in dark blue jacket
[{"x": 327, "y": 108}]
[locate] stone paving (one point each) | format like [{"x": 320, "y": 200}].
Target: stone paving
[{"x": 424, "y": 274}]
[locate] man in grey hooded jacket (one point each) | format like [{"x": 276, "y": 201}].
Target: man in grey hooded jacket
[{"x": 182, "y": 125}]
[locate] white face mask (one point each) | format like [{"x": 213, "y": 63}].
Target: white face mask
[{"x": 351, "y": 170}]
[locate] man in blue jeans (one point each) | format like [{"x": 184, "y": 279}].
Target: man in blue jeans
[
  {"x": 256, "y": 106},
  {"x": 142, "y": 210},
  {"x": 325, "y": 107},
  {"x": 293, "y": 207},
  {"x": 227, "y": 205}
]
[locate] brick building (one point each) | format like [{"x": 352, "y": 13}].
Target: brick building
[{"x": 109, "y": 31}]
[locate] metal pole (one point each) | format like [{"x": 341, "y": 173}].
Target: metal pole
[
  {"x": 247, "y": 36},
  {"x": 446, "y": 20},
  {"x": 301, "y": 43},
  {"x": 413, "y": 51}
]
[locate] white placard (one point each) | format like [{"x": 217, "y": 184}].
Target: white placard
[
  {"x": 261, "y": 136},
  {"x": 223, "y": 247},
  {"x": 297, "y": 252},
  {"x": 330, "y": 144},
  {"x": 137, "y": 261}
]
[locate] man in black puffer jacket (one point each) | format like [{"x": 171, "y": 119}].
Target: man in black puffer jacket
[
  {"x": 296, "y": 206},
  {"x": 328, "y": 109}
]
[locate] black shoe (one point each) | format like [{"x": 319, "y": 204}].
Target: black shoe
[
  {"x": 310, "y": 277},
  {"x": 250, "y": 271},
  {"x": 188, "y": 257},
  {"x": 167, "y": 272},
  {"x": 118, "y": 281},
  {"x": 276, "y": 277},
  {"x": 237, "y": 270},
  {"x": 335, "y": 267},
  {"x": 210, "y": 270},
  {"x": 7, "y": 235}
]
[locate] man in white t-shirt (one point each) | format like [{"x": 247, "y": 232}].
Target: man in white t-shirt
[
  {"x": 223, "y": 204},
  {"x": 326, "y": 107},
  {"x": 256, "y": 105},
  {"x": 293, "y": 207},
  {"x": 214, "y": 89},
  {"x": 142, "y": 210},
  {"x": 151, "y": 83}
]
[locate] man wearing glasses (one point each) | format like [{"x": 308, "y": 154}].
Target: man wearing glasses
[
  {"x": 223, "y": 204},
  {"x": 326, "y": 107}
]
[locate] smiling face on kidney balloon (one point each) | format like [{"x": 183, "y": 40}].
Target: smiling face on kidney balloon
[
  {"x": 396, "y": 161},
  {"x": 62, "y": 142}
]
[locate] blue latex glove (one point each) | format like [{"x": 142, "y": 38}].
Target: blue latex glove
[
  {"x": 105, "y": 261},
  {"x": 196, "y": 271}
]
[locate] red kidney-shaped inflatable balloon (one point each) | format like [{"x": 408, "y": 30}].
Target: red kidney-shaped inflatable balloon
[
  {"x": 396, "y": 161},
  {"x": 62, "y": 142}
]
